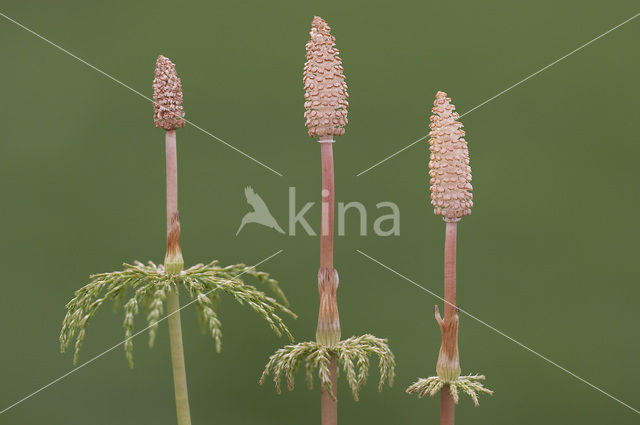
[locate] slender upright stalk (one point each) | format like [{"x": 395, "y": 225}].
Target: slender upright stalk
[
  {"x": 329, "y": 409},
  {"x": 174, "y": 264},
  {"x": 328, "y": 331},
  {"x": 447, "y": 407},
  {"x": 328, "y": 199},
  {"x": 171, "y": 161},
  {"x": 450, "y": 270},
  {"x": 450, "y": 342},
  {"x": 177, "y": 360},
  {"x": 173, "y": 261}
]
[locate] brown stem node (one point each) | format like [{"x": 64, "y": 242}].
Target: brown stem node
[
  {"x": 328, "y": 331},
  {"x": 448, "y": 366},
  {"x": 173, "y": 261}
]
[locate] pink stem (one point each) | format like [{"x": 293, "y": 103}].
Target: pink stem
[
  {"x": 172, "y": 177},
  {"x": 447, "y": 409},
  {"x": 328, "y": 331},
  {"x": 450, "y": 271},
  {"x": 447, "y": 405},
  {"x": 326, "y": 235}
]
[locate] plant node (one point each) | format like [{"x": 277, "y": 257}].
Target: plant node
[
  {"x": 173, "y": 261},
  {"x": 328, "y": 330},
  {"x": 448, "y": 366}
]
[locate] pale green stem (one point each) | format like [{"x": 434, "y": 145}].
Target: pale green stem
[{"x": 177, "y": 359}]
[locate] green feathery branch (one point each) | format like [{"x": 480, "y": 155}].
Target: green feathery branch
[
  {"x": 353, "y": 357},
  {"x": 469, "y": 384},
  {"x": 149, "y": 285}
]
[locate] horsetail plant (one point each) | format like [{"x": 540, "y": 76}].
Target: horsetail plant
[
  {"x": 150, "y": 286},
  {"x": 450, "y": 179},
  {"x": 326, "y": 115}
]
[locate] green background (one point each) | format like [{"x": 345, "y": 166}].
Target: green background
[{"x": 549, "y": 255}]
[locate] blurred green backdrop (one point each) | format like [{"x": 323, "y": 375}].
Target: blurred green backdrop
[{"x": 549, "y": 255}]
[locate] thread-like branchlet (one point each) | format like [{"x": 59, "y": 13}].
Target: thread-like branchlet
[
  {"x": 449, "y": 165},
  {"x": 167, "y": 96},
  {"x": 325, "y": 89},
  {"x": 351, "y": 354},
  {"x": 147, "y": 287}
]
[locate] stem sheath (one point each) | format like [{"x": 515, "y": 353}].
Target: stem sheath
[{"x": 174, "y": 264}]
